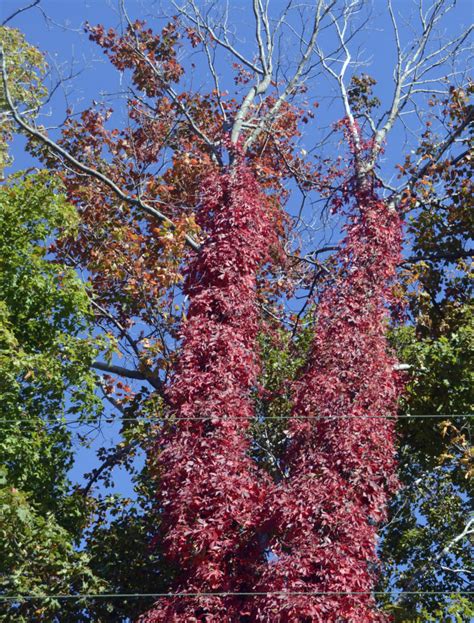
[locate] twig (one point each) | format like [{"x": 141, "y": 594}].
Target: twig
[{"x": 18, "y": 11}]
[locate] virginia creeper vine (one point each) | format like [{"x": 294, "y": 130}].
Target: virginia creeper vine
[
  {"x": 340, "y": 469},
  {"x": 209, "y": 487}
]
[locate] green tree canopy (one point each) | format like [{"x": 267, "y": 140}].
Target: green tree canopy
[{"x": 46, "y": 349}]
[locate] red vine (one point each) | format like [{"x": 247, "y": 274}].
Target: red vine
[
  {"x": 209, "y": 487},
  {"x": 310, "y": 541},
  {"x": 340, "y": 470}
]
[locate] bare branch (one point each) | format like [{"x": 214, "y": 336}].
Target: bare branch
[
  {"x": 351, "y": 8},
  {"x": 18, "y": 11},
  {"x": 264, "y": 60},
  {"x": 437, "y": 153},
  {"x": 198, "y": 20},
  {"x": 412, "y": 66},
  {"x": 294, "y": 81},
  {"x": 129, "y": 374},
  {"x": 215, "y": 77}
]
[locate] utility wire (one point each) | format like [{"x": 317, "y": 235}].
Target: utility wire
[
  {"x": 224, "y": 594},
  {"x": 111, "y": 420}
]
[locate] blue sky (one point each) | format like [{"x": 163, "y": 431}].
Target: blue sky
[{"x": 61, "y": 36}]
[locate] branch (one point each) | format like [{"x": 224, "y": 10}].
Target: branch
[
  {"x": 147, "y": 373},
  {"x": 199, "y": 21},
  {"x": 259, "y": 88},
  {"x": 444, "y": 146},
  {"x": 111, "y": 461},
  {"x": 402, "y": 367},
  {"x": 438, "y": 153},
  {"x": 169, "y": 89},
  {"x": 459, "y": 158},
  {"x": 126, "y": 372},
  {"x": 124, "y": 333},
  {"x": 467, "y": 531},
  {"x": 325, "y": 249},
  {"x": 461, "y": 570},
  {"x": 290, "y": 87},
  {"x": 317, "y": 274},
  {"x": 263, "y": 72},
  {"x": 18, "y": 11},
  {"x": 416, "y": 66},
  {"x": 59, "y": 151},
  {"x": 258, "y": 14},
  {"x": 215, "y": 76},
  {"x": 351, "y": 8}
]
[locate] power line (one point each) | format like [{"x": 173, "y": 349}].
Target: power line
[
  {"x": 224, "y": 594},
  {"x": 109, "y": 420}
]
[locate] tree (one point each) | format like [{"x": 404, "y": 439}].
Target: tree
[
  {"x": 165, "y": 222},
  {"x": 46, "y": 348},
  {"x": 431, "y": 521},
  {"x": 45, "y": 356}
]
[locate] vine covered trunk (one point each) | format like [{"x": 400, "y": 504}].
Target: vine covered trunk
[
  {"x": 308, "y": 543},
  {"x": 340, "y": 459},
  {"x": 210, "y": 489}
]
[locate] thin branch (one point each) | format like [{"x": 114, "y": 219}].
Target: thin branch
[
  {"x": 437, "y": 154},
  {"x": 18, "y": 11},
  {"x": 293, "y": 82},
  {"x": 111, "y": 461},
  {"x": 58, "y": 150},
  {"x": 215, "y": 77},
  {"x": 351, "y": 8},
  {"x": 198, "y": 20},
  {"x": 416, "y": 66}
]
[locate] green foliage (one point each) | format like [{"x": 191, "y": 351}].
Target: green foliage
[
  {"x": 442, "y": 382},
  {"x": 425, "y": 545},
  {"x": 46, "y": 350},
  {"x": 119, "y": 544},
  {"x": 421, "y": 549},
  {"x": 37, "y": 557},
  {"x": 282, "y": 359},
  {"x": 120, "y": 539},
  {"x": 459, "y": 610},
  {"x": 26, "y": 68}
]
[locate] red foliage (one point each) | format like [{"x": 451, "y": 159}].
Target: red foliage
[
  {"x": 210, "y": 490},
  {"x": 340, "y": 470},
  {"x": 141, "y": 51},
  {"x": 220, "y": 515}
]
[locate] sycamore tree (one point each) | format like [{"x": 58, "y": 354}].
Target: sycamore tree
[{"x": 270, "y": 434}]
